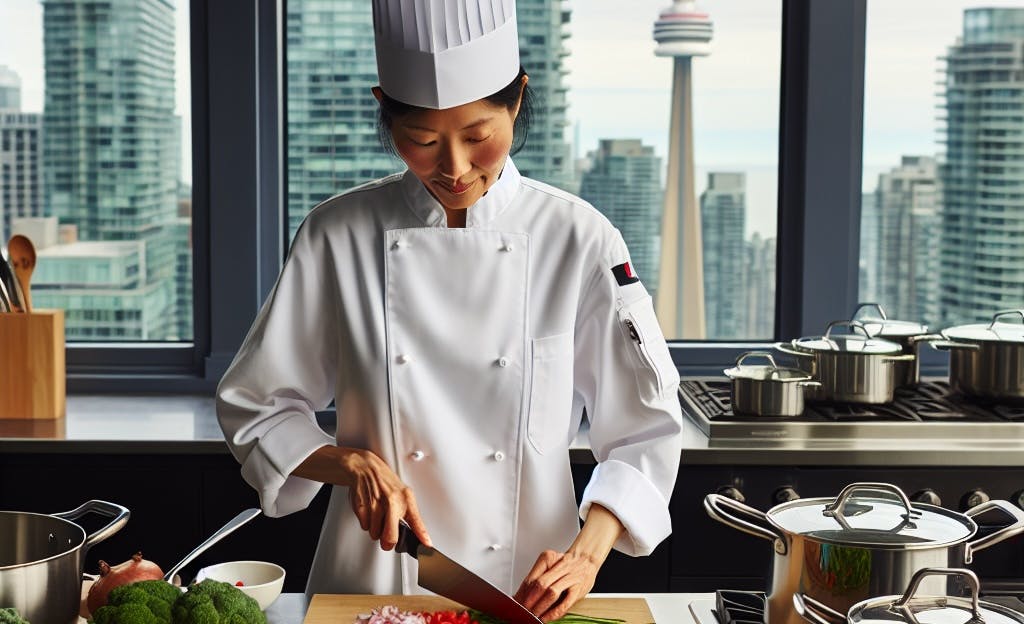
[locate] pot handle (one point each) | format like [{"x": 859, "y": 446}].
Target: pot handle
[
  {"x": 111, "y": 510},
  {"x": 756, "y": 354},
  {"x": 915, "y": 581},
  {"x": 995, "y": 317},
  {"x": 835, "y": 508},
  {"x": 946, "y": 345},
  {"x": 816, "y": 612},
  {"x": 716, "y": 504},
  {"x": 854, "y": 327},
  {"x": 906, "y": 357},
  {"x": 788, "y": 350},
  {"x": 877, "y": 307},
  {"x": 1014, "y": 528}
]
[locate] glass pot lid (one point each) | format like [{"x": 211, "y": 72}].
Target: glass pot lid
[
  {"x": 764, "y": 372},
  {"x": 1003, "y": 328},
  {"x": 875, "y": 321},
  {"x": 876, "y": 515},
  {"x": 857, "y": 341},
  {"x": 922, "y": 609}
]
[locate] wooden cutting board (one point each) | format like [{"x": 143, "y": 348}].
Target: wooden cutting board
[{"x": 343, "y": 608}]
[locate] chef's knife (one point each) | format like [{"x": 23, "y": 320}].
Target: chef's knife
[{"x": 445, "y": 577}]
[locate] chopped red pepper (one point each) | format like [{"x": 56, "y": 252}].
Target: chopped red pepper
[{"x": 239, "y": 584}]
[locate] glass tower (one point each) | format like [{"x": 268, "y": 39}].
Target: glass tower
[
  {"x": 21, "y": 191},
  {"x": 332, "y": 115},
  {"x": 723, "y": 217},
  {"x": 624, "y": 183},
  {"x": 111, "y": 154},
  {"x": 982, "y": 180}
]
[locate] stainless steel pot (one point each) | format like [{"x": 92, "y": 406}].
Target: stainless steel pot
[
  {"x": 41, "y": 560},
  {"x": 908, "y": 334},
  {"x": 767, "y": 390},
  {"x": 910, "y": 608},
  {"x": 839, "y": 551},
  {"x": 851, "y": 367},
  {"x": 987, "y": 360}
]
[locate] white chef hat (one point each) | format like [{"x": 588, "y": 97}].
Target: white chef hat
[{"x": 444, "y": 53}]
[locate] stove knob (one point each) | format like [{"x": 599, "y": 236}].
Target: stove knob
[
  {"x": 785, "y": 494},
  {"x": 732, "y": 492},
  {"x": 973, "y": 499},
  {"x": 927, "y": 496}
]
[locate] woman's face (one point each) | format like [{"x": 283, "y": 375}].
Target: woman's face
[{"x": 457, "y": 153}]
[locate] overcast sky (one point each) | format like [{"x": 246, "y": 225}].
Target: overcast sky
[{"x": 619, "y": 89}]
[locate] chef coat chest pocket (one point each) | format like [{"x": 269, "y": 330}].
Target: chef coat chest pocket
[
  {"x": 551, "y": 387},
  {"x": 655, "y": 372}
]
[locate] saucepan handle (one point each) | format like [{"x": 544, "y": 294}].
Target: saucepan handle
[
  {"x": 879, "y": 312},
  {"x": 117, "y": 512},
  {"x": 948, "y": 345},
  {"x": 721, "y": 508},
  {"x": 816, "y": 612},
  {"x": 1014, "y": 528}
]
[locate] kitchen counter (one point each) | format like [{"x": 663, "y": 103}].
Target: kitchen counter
[
  {"x": 666, "y": 608},
  {"x": 184, "y": 424}
]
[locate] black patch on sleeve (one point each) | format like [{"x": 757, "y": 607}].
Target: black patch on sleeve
[{"x": 624, "y": 274}]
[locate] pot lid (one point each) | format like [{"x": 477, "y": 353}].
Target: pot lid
[
  {"x": 859, "y": 341},
  {"x": 873, "y": 515},
  {"x": 764, "y": 372},
  {"x": 914, "y": 609},
  {"x": 1003, "y": 328},
  {"x": 875, "y": 321}
]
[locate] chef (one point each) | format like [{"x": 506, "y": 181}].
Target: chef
[{"x": 461, "y": 317}]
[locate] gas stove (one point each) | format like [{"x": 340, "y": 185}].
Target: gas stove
[{"x": 929, "y": 410}]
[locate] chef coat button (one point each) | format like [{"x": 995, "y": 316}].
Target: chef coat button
[
  {"x": 417, "y": 455},
  {"x": 396, "y": 244},
  {"x": 404, "y": 359},
  {"x": 506, "y": 247},
  {"x": 494, "y": 547},
  {"x": 499, "y": 456},
  {"x": 502, "y": 362}
]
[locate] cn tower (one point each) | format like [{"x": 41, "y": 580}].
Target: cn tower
[{"x": 681, "y": 32}]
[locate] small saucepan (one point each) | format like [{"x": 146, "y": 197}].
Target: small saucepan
[
  {"x": 767, "y": 389},
  {"x": 913, "y": 609},
  {"x": 908, "y": 334}
]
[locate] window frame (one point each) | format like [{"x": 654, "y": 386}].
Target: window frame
[{"x": 238, "y": 166}]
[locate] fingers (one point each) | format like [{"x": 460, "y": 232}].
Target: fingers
[
  {"x": 529, "y": 587},
  {"x": 556, "y": 582},
  {"x": 569, "y": 592},
  {"x": 412, "y": 516}
]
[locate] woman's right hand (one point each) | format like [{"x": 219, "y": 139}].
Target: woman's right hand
[{"x": 378, "y": 497}]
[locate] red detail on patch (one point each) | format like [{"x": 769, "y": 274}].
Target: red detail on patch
[{"x": 629, "y": 270}]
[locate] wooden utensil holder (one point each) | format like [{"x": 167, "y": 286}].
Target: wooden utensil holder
[{"x": 32, "y": 374}]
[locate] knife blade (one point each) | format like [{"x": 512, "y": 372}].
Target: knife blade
[{"x": 446, "y": 577}]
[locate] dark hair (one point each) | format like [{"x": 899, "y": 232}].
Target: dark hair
[{"x": 507, "y": 96}]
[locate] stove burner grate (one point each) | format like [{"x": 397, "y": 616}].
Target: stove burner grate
[{"x": 739, "y": 607}]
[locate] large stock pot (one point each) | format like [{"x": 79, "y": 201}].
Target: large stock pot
[
  {"x": 868, "y": 541},
  {"x": 987, "y": 360},
  {"x": 41, "y": 559}
]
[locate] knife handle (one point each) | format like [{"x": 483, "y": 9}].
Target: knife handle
[{"x": 407, "y": 541}]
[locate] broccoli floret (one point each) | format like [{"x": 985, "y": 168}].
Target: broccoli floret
[
  {"x": 10, "y": 615},
  {"x": 216, "y": 602},
  {"x": 142, "y": 602}
]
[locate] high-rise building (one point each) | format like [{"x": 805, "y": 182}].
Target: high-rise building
[
  {"x": 868, "y": 265},
  {"x": 10, "y": 89},
  {"x": 110, "y": 154},
  {"x": 982, "y": 255},
  {"x": 722, "y": 217},
  {"x": 21, "y": 188},
  {"x": 682, "y": 33},
  {"x": 624, "y": 183},
  {"x": 760, "y": 291},
  {"x": 907, "y": 236},
  {"x": 543, "y": 32},
  {"x": 333, "y": 140}
]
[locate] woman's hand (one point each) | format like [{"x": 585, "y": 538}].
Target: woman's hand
[
  {"x": 557, "y": 580},
  {"x": 378, "y": 497}
]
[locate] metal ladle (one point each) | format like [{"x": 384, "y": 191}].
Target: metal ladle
[{"x": 221, "y": 533}]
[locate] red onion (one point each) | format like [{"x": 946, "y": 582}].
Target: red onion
[{"x": 135, "y": 569}]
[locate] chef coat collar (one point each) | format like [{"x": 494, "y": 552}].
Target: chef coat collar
[{"x": 485, "y": 210}]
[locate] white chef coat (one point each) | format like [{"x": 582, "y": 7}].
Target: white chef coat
[{"x": 463, "y": 358}]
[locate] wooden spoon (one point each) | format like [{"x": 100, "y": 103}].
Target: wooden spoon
[{"x": 23, "y": 257}]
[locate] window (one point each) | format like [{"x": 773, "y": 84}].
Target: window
[
  {"x": 943, "y": 165},
  {"x": 99, "y": 102}
]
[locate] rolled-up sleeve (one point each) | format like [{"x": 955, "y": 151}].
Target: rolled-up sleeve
[
  {"x": 625, "y": 378},
  {"x": 284, "y": 372}
]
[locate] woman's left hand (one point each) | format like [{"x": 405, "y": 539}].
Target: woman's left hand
[{"x": 556, "y": 582}]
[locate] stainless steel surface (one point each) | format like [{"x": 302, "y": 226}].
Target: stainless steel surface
[
  {"x": 839, "y": 567},
  {"x": 5, "y": 299},
  {"x": 10, "y": 282},
  {"x": 217, "y": 536},
  {"x": 446, "y": 577},
  {"x": 767, "y": 390},
  {"x": 41, "y": 560}
]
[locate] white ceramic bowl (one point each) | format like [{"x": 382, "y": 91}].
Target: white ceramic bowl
[{"x": 260, "y": 579}]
